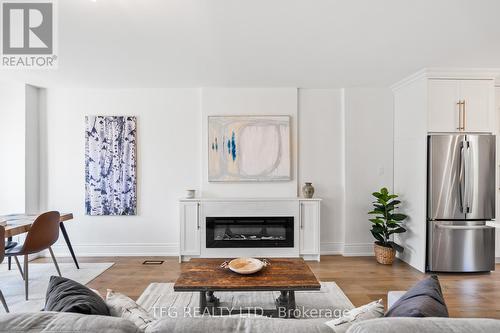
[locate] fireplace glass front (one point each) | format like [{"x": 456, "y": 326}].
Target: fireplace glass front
[{"x": 249, "y": 232}]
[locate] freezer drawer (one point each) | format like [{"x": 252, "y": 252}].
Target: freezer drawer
[{"x": 461, "y": 247}]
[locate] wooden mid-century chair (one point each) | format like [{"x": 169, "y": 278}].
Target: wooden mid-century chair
[
  {"x": 43, "y": 233},
  {"x": 2, "y": 255}
]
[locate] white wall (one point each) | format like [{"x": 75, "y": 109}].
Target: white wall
[
  {"x": 336, "y": 145},
  {"x": 169, "y": 156},
  {"x": 12, "y": 148},
  {"x": 369, "y": 160},
  {"x": 32, "y": 155},
  {"x": 249, "y": 101},
  {"x": 410, "y": 168},
  {"x": 322, "y": 159}
]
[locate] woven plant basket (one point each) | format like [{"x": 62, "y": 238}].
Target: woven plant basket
[{"x": 384, "y": 255}]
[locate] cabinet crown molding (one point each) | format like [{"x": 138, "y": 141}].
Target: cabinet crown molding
[{"x": 450, "y": 74}]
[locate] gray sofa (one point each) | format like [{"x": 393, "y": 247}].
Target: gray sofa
[
  {"x": 68, "y": 322},
  {"x": 56, "y": 322}
]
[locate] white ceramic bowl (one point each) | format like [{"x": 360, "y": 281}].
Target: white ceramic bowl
[{"x": 245, "y": 265}]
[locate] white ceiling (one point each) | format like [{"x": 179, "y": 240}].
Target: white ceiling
[{"x": 299, "y": 43}]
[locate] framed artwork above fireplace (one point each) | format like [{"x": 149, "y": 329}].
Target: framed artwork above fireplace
[{"x": 248, "y": 148}]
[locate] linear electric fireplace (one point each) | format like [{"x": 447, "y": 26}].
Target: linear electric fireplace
[{"x": 245, "y": 232}]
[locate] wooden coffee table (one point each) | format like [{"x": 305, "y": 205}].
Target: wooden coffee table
[{"x": 284, "y": 275}]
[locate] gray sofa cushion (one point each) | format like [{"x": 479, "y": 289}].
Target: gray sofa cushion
[
  {"x": 234, "y": 324},
  {"x": 424, "y": 299},
  {"x": 418, "y": 325},
  {"x": 64, "y": 322}
]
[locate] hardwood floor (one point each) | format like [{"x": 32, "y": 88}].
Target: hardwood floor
[{"x": 361, "y": 279}]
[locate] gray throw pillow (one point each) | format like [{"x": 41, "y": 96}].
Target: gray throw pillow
[
  {"x": 65, "y": 295},
  {"x": 424, "y": 299}
]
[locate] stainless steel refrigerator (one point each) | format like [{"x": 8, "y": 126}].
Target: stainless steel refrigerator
[{"x": 460, "y": 200}]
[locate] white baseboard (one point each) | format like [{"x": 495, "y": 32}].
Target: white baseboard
[
  {"x": 331, "y": 248},
  {"x": 172, "y": 249},
  {"x": 497, "y": 260},
  {"x": 358, "y": 250},
  {"x": 124, "y": 249},
  {"x": 311, "y": 257}
]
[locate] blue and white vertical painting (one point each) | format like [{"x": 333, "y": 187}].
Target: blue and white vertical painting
[
  {"x": 248, "y": 148},
  {"x": 110, "y": 165}
]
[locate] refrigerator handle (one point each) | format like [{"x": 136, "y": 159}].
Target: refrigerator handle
[
  {"x": 461, "y": 177},
  {"x": 463, "y": 227},
  {"x": 470, "y": 177}
]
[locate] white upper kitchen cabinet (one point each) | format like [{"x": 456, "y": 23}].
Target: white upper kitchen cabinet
[
  {"x": 478, "y": 98},
  {"x": 443, "y": 108},
  {"x": 465, "y": 105}
]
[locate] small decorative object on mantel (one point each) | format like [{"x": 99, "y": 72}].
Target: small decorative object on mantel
[
  {"x": 308, "y": 190},
  {"x": 190, "y": 194},
  {"x": 384, "y": 224},
  {"x": 245, "y": 265}
]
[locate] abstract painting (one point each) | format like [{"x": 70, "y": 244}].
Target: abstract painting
[
  {"x": 248, "y": 148},
  {"x": 110, "y": 165}
]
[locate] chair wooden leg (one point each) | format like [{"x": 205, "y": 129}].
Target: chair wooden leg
[
  {"x": 55, "y": 261},
  {"x": 26, "y": 275},
  {"x": 2, "y": 299},
  {"x": 19, "y": 267}
]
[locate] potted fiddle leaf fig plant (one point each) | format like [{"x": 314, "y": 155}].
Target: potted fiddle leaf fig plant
[{"x": 385, "y": 223}]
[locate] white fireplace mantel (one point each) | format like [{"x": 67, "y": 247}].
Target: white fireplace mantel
[{"x": 193, "y": 214}]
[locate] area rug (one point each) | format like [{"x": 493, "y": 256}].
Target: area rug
[
  {"x": 161, "y": 300},
  {"x": 12, "y": 285}
]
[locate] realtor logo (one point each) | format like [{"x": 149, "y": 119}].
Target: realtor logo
[{"x": 28, "y": 34}]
